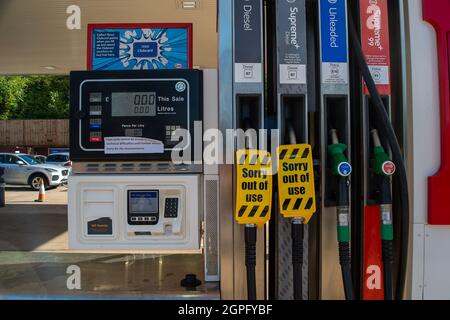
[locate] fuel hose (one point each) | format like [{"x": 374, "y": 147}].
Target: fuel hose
[
  {"x": 298, "y": 230},
  {"x": 297, "y": 235},
  {"x": 250, "y": 260},
  {"x": 387, "y": 131},
  {"x": 251, "y": 233}
]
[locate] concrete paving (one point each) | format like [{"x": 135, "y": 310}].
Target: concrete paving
[
  {"x": 26, "y": 196},
  {"x": 34, "y": 259},
  {"x": 26, "y": 225}
]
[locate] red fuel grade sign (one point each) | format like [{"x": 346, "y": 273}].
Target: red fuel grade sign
[
  {"x": 389, "y": 168},
  {"x": 375, "y": 42}
]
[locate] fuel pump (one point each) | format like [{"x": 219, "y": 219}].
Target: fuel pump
[
  {"x": 335, "y": 140},
  {"x": 241, "y": 107},
  {"x": 126, "y": 126},
  {"x": 375, "y": 84},
  {"x": 289, "y": 83}
]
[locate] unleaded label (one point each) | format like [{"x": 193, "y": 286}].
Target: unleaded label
[{"x": 333, "y": 30}]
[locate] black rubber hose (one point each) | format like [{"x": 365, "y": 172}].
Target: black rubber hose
[
  {"x": 388, "y": 131},
  {"x": 298, "y": 232},
  {"x": 388, "y": 261},
  {"x": 344, "y": 247},
  {"x": 250, "y": 260},
  {"x": 344, "y": 260}
]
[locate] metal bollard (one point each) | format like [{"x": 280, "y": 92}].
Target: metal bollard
[{"x": 2, "y": 188}]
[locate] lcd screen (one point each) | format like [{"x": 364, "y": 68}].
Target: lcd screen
[
  {"x": 133, "y": 104},
  {"x": 143, "y": 202}
]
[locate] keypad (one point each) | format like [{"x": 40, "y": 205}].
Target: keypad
[
  {"x": 169, "y": 131},
  {"x": 171, "y": 208}
]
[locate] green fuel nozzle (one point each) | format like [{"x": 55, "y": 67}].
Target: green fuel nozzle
[
  {"x": 383, "y": 165},
  {"x": 384, "y": 168},
  {"x": 340, "y": 166}
]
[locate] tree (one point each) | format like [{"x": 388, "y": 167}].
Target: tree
[
  {"x": 46, "y": 97},
  {"x": 34, "y": 97},
  {"x": 12, "y": 92}
]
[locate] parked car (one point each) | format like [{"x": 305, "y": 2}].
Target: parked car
[
  {"x": 22, "y": 169},
  {"x": 59, "y": 159},
  {"x": 40, "y": 158}
]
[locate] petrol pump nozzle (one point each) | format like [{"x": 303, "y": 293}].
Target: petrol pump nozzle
[
  {"x": 340, "y": 166},
  {"x": 385, "y": 169},
  {"x": 383, "y": 164}
]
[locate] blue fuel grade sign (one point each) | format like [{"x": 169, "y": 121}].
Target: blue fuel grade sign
[{"x": 333, "y": 24}]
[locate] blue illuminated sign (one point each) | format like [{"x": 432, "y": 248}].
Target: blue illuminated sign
[{"x": 139, "y": 46}]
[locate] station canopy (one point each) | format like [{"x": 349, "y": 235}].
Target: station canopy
[{"x": 35, "y": 38}]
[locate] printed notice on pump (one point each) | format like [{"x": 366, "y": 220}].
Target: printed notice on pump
[
  {"x": 296, "y": 182},
  {"x": 254, "y": 187},
  {"x": 132, "y": 145}
]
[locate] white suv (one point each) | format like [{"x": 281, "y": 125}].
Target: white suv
[{"x": 22, "y": 169}]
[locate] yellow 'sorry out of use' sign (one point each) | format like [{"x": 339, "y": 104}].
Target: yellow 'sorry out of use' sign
[
  {"x": 254, "y": 187},
  {"x": 296, "y": 182}
]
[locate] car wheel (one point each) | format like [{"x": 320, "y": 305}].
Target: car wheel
[{"x": 36, "y": 180}]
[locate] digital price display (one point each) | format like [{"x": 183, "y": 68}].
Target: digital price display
[
  {"x": 148, "y": 104},
  {"x": 133, "y": 104}
]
